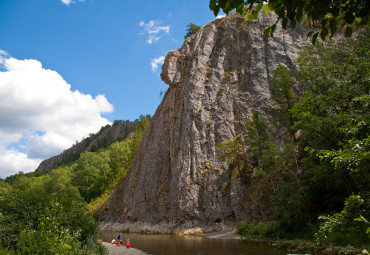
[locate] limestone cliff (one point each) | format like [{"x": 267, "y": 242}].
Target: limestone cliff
[{"x": 216, "y": 79}]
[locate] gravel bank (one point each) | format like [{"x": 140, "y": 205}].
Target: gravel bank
[{"x": 121, "y": 250}]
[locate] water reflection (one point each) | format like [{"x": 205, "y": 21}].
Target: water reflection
[{"x": 192, "y": 245}]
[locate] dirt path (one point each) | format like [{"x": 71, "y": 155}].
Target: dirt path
[{"x": 121, "y": 250}]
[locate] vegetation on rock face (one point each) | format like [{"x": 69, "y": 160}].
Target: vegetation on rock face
[
  {"x": 330, "y": 15},
  {"x": 324, "y": 158},
  {"x": 191, "y": 29},
  {"x": 47, "y": 213}
]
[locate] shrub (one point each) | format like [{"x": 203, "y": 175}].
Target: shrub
[
  {"x": 342, "y": 228},
  {"x": 257, "y": 230}
]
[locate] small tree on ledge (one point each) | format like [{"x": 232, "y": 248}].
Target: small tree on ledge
[{"x": 191, "y": 29}]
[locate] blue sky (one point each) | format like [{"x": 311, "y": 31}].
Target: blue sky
[{"x": 69, "y": 67}]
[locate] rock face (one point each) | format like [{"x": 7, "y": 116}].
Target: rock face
[
  {"x": 216, "y": 79},
  {"x": 105, "y": 137}
]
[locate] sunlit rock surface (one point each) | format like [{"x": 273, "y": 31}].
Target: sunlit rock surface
[{"x": 216, "y": 79}]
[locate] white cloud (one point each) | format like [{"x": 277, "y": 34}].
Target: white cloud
[
  {"x": 68, "y": 2},
  {"x": 155, "y": 62},
  {"x": 3, "y": 52},
  {"x": 220, "y": 16},
  {"x": 40, "y": 113},
  {"x": 154, "y": 30},
  {"x": 13, "y": 161},
  {"x": 3, "y": 55}
]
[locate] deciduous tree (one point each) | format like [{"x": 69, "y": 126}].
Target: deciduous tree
[{"x": 330, "y": 15}]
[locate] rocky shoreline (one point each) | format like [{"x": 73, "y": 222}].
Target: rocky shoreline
[
  {"x": 115, "y": 250},
  {"x": 183, "y": 230}
]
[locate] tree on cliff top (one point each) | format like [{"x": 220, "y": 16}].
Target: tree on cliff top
[
  {"x": 191, "y": 29},
  {"x": 331, "y": 15}
]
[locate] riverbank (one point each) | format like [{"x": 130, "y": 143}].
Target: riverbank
[
  {"x": 301, "y": 246},
  {"x": 230, "y": 233},
  {"x": 121, "y": 250},
  {"x": 186, "y": 228},
  {"x": 226, "y": 234}
]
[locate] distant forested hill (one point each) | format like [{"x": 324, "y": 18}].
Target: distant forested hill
[{"x": 105, "y": 137}]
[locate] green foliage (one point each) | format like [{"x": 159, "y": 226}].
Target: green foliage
[
  {"x": 119, "y": 122},
  {"x": 277, "y": 165},
  {"x": 95, "y": 173},
  {"x": 42, "y": 215},
  {"x": 257, "y": 139},
  {"x": 139, "y": 130},
  {"x": 191, "y": 29},
  {"x": 331, "y": 15},
  {"x": 304, "y": 247},
  {"x": 343, "y": 228},
  {"x": 11, "y": 179},
  {"x": 101, "y": 140},
  {"x": 257, "y": 230},
  {"x": 312, "y": 173},
  {"x": 334, "y": 112},
  {"x": 230, "y": 151},
  {"x": 283, "y": 94},
  {"x": 46, "y": 213},
  {"x": 353, "y": 152},
  {"x": 289, "y": 204},
  {"x": 92, "y": 174},
  {"x": 233, "y": 153},
  {"x": 68, "y": 157},
  {"x": 50, "y": 236}
]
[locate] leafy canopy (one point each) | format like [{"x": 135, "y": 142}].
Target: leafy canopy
[
  {"x": 334, "y": 109},
  {"x": 330, "y": 15},
  {"x": 45, "y": 215}
]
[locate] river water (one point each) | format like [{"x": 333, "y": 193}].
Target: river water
[{"x": 192, "y": 245}]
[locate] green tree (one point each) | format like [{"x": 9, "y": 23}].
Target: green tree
[
  {"x": 37, "y": 212},
  {"x": 333, "y": 114},
  {"x": 283, "y": 94},
  {"x": 139, "y": 131},
  {"x": 257, "y": 139},
  {"x": 334, "y": 109},
  {"x": 343, "y": 228},
  {"x": 191, "y": 29},
  {"x": 50, "y": 236},
  {"x": 233, "y": 153},
  {"x": 289, "y": 203},
  {"x": 92, "y": 174},
  {"x": 330, "y": 15},
  {"x": 121, "y": 157}
]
